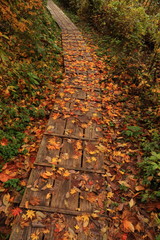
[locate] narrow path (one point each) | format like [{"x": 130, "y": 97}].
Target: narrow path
[{"x": 66, "y": 189}]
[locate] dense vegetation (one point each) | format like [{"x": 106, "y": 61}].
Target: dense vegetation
[
  {"x": 29, "y": 70},
  {"x": 28, "y": 55}
]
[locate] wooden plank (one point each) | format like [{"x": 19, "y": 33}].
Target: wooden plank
[
  {"x": 60, "y": 210},
  {"x": 93, "y": 131},
  {"x": 85, "y": 205},
  {"x": 17, "y": 232},
  {"x": 48, "y": 150},
  {"x": 73, "y": 128},
  {"x": 60, "y": 199},
  {"x": 38, "y": 188},
  {"x": 63, "y": 192},
  {"x": 71, "y": 153},
  {"x": 92, "y": 156},
  {"x": 102, "y": 171},
  {"x": 56, "y": 126}
]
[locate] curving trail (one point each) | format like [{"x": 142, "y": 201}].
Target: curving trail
[{"x": 66, "y": 189}]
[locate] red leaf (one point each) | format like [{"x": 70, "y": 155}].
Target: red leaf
[
  {"x": 4, "y": 142},
  {"x": 124, "y": 237},
  {"x": 16, "y": 211}
]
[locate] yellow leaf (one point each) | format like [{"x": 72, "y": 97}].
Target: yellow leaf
[
  {"x": 46, "y": 174},
  {"x": 48, "y": 185},
  {"x": 30, "y": 214},
  {"x": 45, "y": 231},
  {"x": 101, "y": 148},
  {"x": 66, "y": 173},
  {"x": 73, "y": 191},
  {"x": 85, "y": 221},
  {"x": 131, "y": 203},
  {"x": 76, "y": 227},
  {"x": 110, "y": 194},
  {"x": 6, "y": 199},
  {"x": 48, "y": 196},
  {"x": 34, "y": 236}
]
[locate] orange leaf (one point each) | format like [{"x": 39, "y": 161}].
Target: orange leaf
[
  {"x": 4, "y": 142},
  {"x": 34, "y": 201},
  {"x": 139, "y": 188},
  {"x": 128, "y": 225},
  {"x": 4, "y": 177}
]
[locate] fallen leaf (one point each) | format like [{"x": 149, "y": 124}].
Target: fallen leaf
[
  {"x": 35, "y": 236},
  {"x": 6, "y": 199},
  {"x": 128, "y": 225},
  {"x": 30, "y": 214},
  {"x": 139, "y": 188},
  {"x": 34, "y": 201},
  {"x": 4, "y": 177},
  {"x": 131, "y": 203},
  {"x": 16, "y": 211}
]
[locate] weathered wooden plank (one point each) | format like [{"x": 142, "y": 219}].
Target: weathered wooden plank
[
  {"x": 61, "y": 211},
  {"x": 92, "y": 156},
  {"x": 56, "y": 126},
  {"x": 73, "y": 128},
  {"x": 38, "y": 188},
  {"x": 62, "y": 199},
  {"x": 71, "y": 153},
  {"x": 85, "y": 205},
  {"x": 49, "y": 148},
  {"x": 93, "y": 131},
  {"x": 17, "y": 233},
  {"x": 101, "y": 170},
  {"x": 64, "y": 192}
]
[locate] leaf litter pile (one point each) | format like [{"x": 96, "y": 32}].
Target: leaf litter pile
[{"x": 113, "y": 196}]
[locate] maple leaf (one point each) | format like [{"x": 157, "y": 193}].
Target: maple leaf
[
  {"x": 66, "y": 173},
  {"x": 54, "y": 144},
  {"x": 35, "y": 236},
  {"x": 34, "y": 201},
  {"x": 16, "y": 211},
  {"x": 30, "y": 214}
]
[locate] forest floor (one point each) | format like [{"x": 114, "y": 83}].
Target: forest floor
[{"x": 85, "y": 182}]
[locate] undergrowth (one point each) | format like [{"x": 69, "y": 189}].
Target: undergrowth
[
  {"x": 29, "y": 70},
  {"x": 30, "y": 55}
]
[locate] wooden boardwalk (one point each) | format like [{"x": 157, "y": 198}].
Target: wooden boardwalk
[{"x": 66, "y": 189}]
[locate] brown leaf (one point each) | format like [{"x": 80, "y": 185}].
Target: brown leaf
[{"x": 34, "y": 201}]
